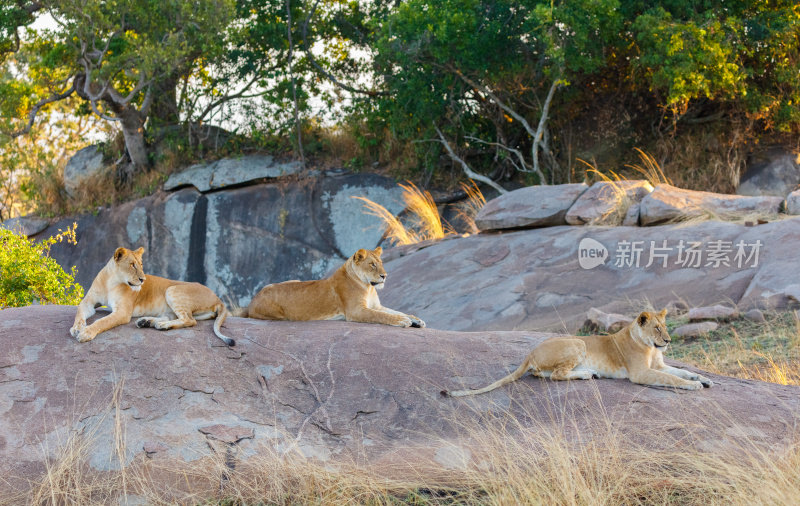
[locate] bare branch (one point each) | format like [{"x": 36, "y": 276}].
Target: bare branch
[
  {"x": 93, "y": 103},
  {"x": 331, "y": 78},
  {"x": 538, "y": 133},
  {"x": 517, "y": 152},
  {"x": 294, "y": 89},
  {"x": 467, "y": 170},
  {"x": 41, "y": 103},
  {"x": 148, "y": 100},
  {"x": 226, "y": 98},
  {"x": 540, "y": 130},
  {"x": 486, "y": 91}
]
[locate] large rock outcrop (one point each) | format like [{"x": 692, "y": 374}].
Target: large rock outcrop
[
  {"x": 668, "y": 203},
  {"x": 238, "y": 240},
  {"x": 539, "y": 280},
  {"x": 532, "y": 206},
  {"x": 338, "y": 391}
]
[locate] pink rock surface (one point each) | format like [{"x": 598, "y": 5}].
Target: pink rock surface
[{"x": 336, "y": 390}]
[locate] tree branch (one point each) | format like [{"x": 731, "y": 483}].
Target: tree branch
[
  {"x": 41, "y": 103},
  {"x": 538, "y": 133},
  {"x": 467, "y": 170},
  {"x": 324, "y": 72}
]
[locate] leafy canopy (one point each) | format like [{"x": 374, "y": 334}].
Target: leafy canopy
[{"x": 28, "y": 275}]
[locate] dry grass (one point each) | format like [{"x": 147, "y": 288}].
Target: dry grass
[
  {"x": 424, "y": 220},
  {"x": 768, "y": 351},
  {"x": 469, "y": 208},
  {"x": 509, "y": 463},
  {"x": 650, "y": 169}
]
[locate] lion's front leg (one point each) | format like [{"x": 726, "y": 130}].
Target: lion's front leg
[
  {"x": 687, "y": 375},
  {"x": 367, "y": 315},
  {"x": 652, "y": 377},
  {"x": 115, "y": 319},
  {"x": 85, "y": 311},
  {"x": 375, "y": 304},
  {"x": 415, "y": 322},
  {"x": 659, "y": 365}
]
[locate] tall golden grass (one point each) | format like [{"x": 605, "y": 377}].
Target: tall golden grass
[
  {"x": 510, "y": 462},
  {"x": 650, "y": 169},
  {"x": 424, "y": 220},
  {"x": 767, "y": 351}
]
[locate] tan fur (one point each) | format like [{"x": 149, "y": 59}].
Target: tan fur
[
  {"x": 162, "y": 303},
  {"x": 348, "y": 294},
  {"x": 634, "y": 353}
]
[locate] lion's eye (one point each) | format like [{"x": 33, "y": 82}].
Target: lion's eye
[{"x": 373, "y": 265}]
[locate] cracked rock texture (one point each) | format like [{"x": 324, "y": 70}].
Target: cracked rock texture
[
  {"x": 532, "y": 279},
  {"x": 335, "y": 391},
  {"x": 238, "y": 240}
]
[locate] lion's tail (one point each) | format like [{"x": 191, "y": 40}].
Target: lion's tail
[
  {"x": 222, "y": 313},
  {"x": 522, "y": 369}
]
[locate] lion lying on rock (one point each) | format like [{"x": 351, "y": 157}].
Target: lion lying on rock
[
  {"x": 348, "y": 294},
  {"x": 162, "y": 303},
  {"x": 635, "y": 352}
]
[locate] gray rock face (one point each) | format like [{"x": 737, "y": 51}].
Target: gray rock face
[
  {"x": 84, "y": 164},
  {"x": 715, "y": 312},
  {"x": 27, "y": 225},
  {"x": 334, "y": 391},
  {"x": 607, "y": 203},
  {"x": 668, "y": 203},
  {"x": 533, "y": 279},
  {"x": 610, "y": 322},
  {"x": 755, "y": 315},
  {"x": 793, "y": 203},
  {"x": 695, "y": 329},
  {"x": 238, "y": 240},
  {"x": 777, "y": 174},
  {"x": 533, "y": 206},
  {"x": 231, "y": 171}
]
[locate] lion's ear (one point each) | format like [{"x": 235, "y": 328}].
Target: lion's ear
[
  {"x": 139, "y": 252},
  {"x": 378, "y": 251},
  {"x": 360, "y": 255},
  {"x": 663, "y": 313},
  {"x": 119, "y": 254},
  {"x": 642, "y": 319}
]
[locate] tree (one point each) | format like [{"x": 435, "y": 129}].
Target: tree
[
  {"x": 124, "y": 58},
  {"x": 28, "y": 275}
]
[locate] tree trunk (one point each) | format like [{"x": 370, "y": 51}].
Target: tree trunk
[
  {"x": 164, "y": 110},
  {"x": 133, "y": 132}
]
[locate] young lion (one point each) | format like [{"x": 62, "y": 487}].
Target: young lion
[
  {"x": 348, "y": 294},
  {"x": 634, "y": 352},
  {"x": 162, "y": 303}
]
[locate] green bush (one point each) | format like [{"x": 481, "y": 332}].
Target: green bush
[{"x": 28, "y": 275}]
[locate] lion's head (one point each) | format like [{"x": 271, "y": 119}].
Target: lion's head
[
  {"x": 651, "y": 329},
  {"x": 368, "y": 267},
  {"x": 129, "y": 267}
]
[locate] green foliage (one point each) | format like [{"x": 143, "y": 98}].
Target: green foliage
[{"x": 28, "y": 275}]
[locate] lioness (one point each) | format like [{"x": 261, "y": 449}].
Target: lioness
[
  {"x": 348, "y": 294},
  {"x": 634, "y": 353},
  {"x": 162, "y": 303}
]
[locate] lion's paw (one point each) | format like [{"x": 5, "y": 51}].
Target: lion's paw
[
  {"x": 404, "y": 321},
  {"x": 162, "y": 325},
  {"x": 694, "y": 385},
  {"x": 705, "y": 381},
  {"x": 144, "y": 322},
  {"x": 416, "y": 322},
  {"x": 84, "y": 336}
]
